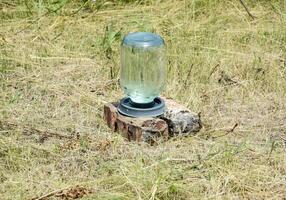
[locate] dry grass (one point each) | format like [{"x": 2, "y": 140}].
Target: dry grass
[{"x": 55, "y": 75}]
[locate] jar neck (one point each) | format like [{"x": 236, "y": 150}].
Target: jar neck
[{"x": 142, "y": 105}]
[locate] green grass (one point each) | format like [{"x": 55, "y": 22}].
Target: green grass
[{"x": 59, "y": 63}]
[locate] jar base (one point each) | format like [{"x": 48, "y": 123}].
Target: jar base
[{"x": 132, "y": 109}]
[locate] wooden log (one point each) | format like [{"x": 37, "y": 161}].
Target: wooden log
[
  {"x": 177, "y": 120},
  {"x": 148, "y": 130}
]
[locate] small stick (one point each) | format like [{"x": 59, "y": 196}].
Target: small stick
[
  {"x": 50, "y": 194},
  {"x": 9, "y": 4},
  {"x": 232, "y": 129},
  {"x": 11, "y": 125},
  {"x": 213, "y": 70},
  {"x": 46, "y": 133},
  {"x": 227, "y": 131},
  {"x": 188, "y": 75},
  {"x": 271, "y": 149},
  {"x": 246, "y": 9}
]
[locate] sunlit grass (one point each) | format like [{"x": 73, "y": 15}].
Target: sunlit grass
[{"x": 59, "y": 63}]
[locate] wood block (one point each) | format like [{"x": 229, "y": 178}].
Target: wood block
[
  {"x": 177, "y": 120},
  {"x": 137, "y": 129}
]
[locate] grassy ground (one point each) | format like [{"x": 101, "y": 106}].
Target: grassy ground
[{"x": 59, "y": 63}]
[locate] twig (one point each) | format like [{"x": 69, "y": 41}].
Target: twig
[
  {"x": 188, "y": 75},
  {"x": 246, "y": 9},
  {"x": 47, "y": 133},
  {"x": 176, "y": 160},
  {"x": 227, "y": 131},
  {"x": 27, "y": 129},
  {"x": 213, "y": 70},
  {"x": 232, "y": 129},
  {"x": 8, "y": 3},
  {"x": 271, "y": 149},
  {"x": 80, "y": 8},
  {"x": 51, "y": 193}
]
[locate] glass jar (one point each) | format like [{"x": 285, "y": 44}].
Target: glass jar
[{"x": 143, "y": 66}]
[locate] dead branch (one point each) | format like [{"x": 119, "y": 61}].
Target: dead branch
[
  {"x": 47, "y": 134},
  {"x": 32, "y": 130},
  {"x": 188, "y": 75},
  {"x": 232, "y": 129},
  {"x": 50, "y": 194},
  {"x": 213, "y": 70},
  {"x": 246, "y": 9},
  {"x": 226, "y": 130}
]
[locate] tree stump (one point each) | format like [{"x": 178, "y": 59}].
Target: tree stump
[{"x": 177, "y": 120}]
